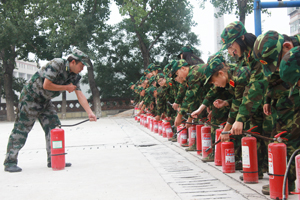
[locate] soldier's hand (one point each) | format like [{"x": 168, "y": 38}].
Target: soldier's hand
[
  {"x": 92, "y": 117},
  {"x": 70, "y": 88},
  {"x": 175, "y": 106},
  {"x": 237, "y": 128},
  {"x": 190, "y": 120},
  {"x": 177, "y": 120},
  {"x": 224, "y": 137},
  {"x": 157, "y": 118},
  {"x": 267, "y": 109},
  {"x": 219, "y": 103},
  {"x": 195, "y": 113},
  {"x": 209, "y": 115}
]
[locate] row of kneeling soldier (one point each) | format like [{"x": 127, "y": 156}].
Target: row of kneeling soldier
[{"x": 261, "y": 90}]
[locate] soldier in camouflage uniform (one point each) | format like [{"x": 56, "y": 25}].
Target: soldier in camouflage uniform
[
  {"x": 195, "y": 78},
  {"x": 240, "y": 43},
  {"x": 269, "y": 49},
  {"x": 218, "y": 115},
  {"x": 35, "y": 103},
  {"x": 235, "y": 81}
]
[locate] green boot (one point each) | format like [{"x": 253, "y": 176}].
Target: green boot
[
  {"x": 192, "y": 148},
  {"x": 209, "y": 158}
]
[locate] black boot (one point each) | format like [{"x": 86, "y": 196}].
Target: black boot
[{"x": 12, "y": 168}]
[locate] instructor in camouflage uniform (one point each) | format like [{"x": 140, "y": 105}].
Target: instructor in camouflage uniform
[{"x": 35, "y": 103}]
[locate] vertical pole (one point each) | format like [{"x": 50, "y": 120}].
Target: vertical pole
[{"x": 257, "y": 17}]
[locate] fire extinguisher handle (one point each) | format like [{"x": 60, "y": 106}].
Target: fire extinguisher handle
[
  {"x": 279, "y": 134},
  {"x": 225, "y": 132}
]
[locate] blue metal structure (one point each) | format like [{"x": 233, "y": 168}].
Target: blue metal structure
[{"x": 258, "y": 5}]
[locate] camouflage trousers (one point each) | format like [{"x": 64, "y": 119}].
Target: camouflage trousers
[
  {"x": 288, "y": 119},
  {"x": 30, "y": 108}
]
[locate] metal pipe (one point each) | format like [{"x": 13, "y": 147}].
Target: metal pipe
[
  {"x": 279, "y": 4},
  {"x": 257, "y": 17}
]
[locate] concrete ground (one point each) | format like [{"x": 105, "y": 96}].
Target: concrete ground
[{"x": 116, "y": 158}]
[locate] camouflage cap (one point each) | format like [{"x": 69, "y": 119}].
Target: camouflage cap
[
  {"x": 266, "y": 50},
  {"x": 289, "y": 69},
  {"x": 177, "y": 65},
  {"x": 159, "y": 75},
  {"x": 168, "y": 67},
  {"x": 82, "y": 57},
  {"x": 187, "y": 48},
  {"x": 214, "y": 64},
  {"x": 232, "y": 32},
  {"x": 130, "y": 84},
  {"x": 152, "y": 79},
  {"x": 140, "y": 89}
]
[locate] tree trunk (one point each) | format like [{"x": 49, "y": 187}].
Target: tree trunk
[
  {"x": 8, "y": 68},
  {"x": 144, "y": 50},
  {"x": 64, "y": 105},
  {"x": 242, "y": 4},
  {"x": 95, "y": 91}
]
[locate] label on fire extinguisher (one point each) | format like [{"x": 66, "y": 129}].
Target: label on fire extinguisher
[
  {"x": 169, "y": 130},
  {"x": 155, "y": 126},
  {"x": 193, "y": 134},
  {"x": 246, "y": 157},
  {"x": 206, "y": 140},
  {"x": 271, "y": 166},
  {"x": 57, "y": 144},
  {"x": 229, "y": 157},
  {"x": 184, "y": 136},
  {"x": 159, "y": 127}
]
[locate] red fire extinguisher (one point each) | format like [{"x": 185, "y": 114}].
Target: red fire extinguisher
[
  {"x": 183, "y": 135},
  {"x": 250, "y": 166},
  {"x": 164, "y": 133},
  {"x": 206, "y": 140},
  {"x": 57, "y": 149},
  {"x": 169, "y": 131},
  {"x": 155, "y": 125},
  {"x": 218, "y": 152},
  {"x": 192, "y": 135},
  {"x": 198, "y": 138},
  {"x": 160, "y": 127},
  {"x": 228, "y": 160},
  {"x": 277, "y": 167}
]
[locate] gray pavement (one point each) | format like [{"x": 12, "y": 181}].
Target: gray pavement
[{"x": 116, "y": 158}]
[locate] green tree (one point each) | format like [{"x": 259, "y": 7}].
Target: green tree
[
  {"x": 160, "y": 28},
  {"x": 77, "y": 24},
  {"x": 241, "y": 8},
  {"x": 18, "y": 31}
]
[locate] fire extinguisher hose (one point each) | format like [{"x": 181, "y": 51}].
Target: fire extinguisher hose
[
  {"x": 286, "y": 172},
  {"x": 59, "y": 125}
]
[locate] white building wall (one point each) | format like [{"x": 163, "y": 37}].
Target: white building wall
[{"x": 218, "y": 28}]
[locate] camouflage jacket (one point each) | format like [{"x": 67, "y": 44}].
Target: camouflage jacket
[
  {"x": 238, "y": 80},
  {"x": 254, "y": 91},
  {"x": 181, "y": 93},
  {"x": 195, "y": 89},
  {"x": 161, "y": 101},
  {"x": 170, "y": 92},
  {"x": 58, "y": 72},
  {"x": 279, "y": 90}
]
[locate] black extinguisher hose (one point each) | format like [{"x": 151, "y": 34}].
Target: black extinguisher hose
[
  {"x": 286, "y": 172},
  {"x": 74, "y": 124}
]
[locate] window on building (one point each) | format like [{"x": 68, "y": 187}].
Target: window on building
[
  {"x": 22, "y": 75},
  {"x": 294, "y": 26},
  {"x": 29, "y": 76}
]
